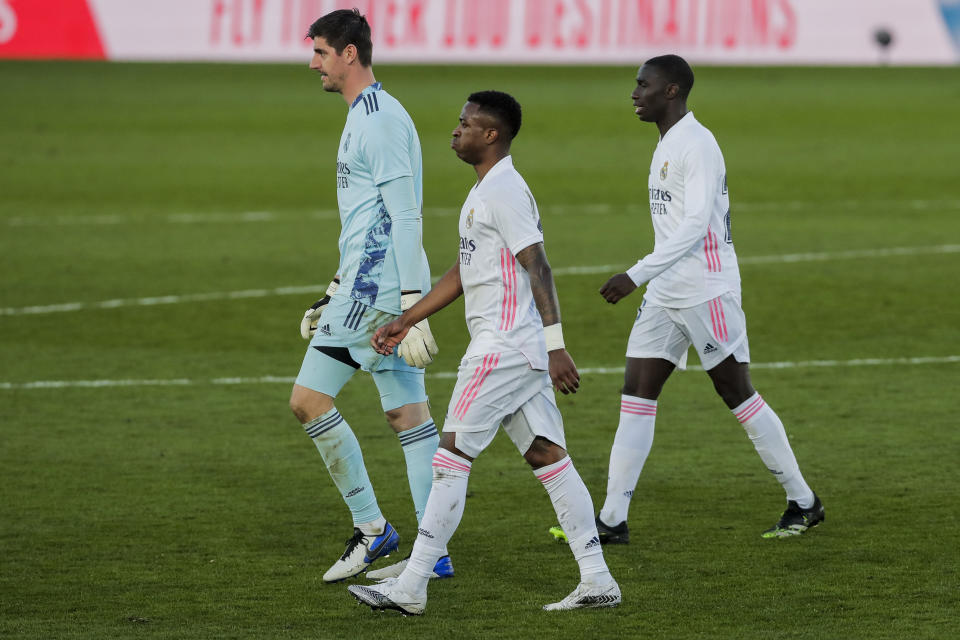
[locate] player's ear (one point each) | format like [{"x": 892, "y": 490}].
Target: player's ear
[
  {"x": 350, "y": 53},
  {"x": 673, "y": 90},
  {"x": 490, "y": 136}
]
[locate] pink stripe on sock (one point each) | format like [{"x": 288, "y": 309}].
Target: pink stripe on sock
[
  {"x": 750, "y": 410},
  {"x": 551, "y": 474},
  {"x": 638, "y": 405},
  {"x": 754, "y": 412},
  {"x": 440, "y": 460},
  {"x": 638, "y": 413}
]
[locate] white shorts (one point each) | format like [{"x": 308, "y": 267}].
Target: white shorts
[
  {"x": 717, "y": 329},
  {"x": 501, "y": 389}
]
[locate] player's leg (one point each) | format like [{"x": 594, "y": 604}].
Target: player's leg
[
  {"x": 327, "y": 366},
  {"x": 722, "y": 325},
  {"x": 451, "y": 473},
  {"x": 404, "y": 402},
  {"x": 537, "y": 431},
  {"x": 655, "y": 347},
  {"x": 471, "y": 424}
]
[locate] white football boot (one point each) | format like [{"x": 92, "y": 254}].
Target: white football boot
[
  {"x": 388, "y": 595},
  {"x": 587, "y": 596},
  {"x": 362, "y": 549}
]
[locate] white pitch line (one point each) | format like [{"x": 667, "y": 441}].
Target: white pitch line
[
  {"x": 448, "y": 375},
  {"x": 560, "y": 271},
  {"x": 557, "y": 209}
]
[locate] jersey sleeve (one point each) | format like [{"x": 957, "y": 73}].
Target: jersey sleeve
[
  {"x": 515, "y": 215},
  {"x": 703, "y": 171},
  {"x": 386, "y": 143}
]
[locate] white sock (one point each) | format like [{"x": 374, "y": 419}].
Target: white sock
[
  {"x": 631, "y": 446},
  {"x": 373, "y": 528},
  {"x": 440, "y": 519},
  {"x": 770, "y": 440},
  {"x": 574, "y": 509}
]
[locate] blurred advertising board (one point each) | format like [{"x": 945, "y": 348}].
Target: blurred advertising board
[{"x": 777, "y": 32}]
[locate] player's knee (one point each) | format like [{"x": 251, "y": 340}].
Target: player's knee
[
  {"x": 543, "y": 452},
  {"x": 733, "y": 392},
  {"x": 306, "y": 407},
  {"x": 296, "y": 405},
  {"x": 394, "y": 417},
  {"x": 407, "y": 416}
]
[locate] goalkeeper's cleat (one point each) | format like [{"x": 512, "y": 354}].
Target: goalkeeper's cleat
[
  {"x": 619, "y": 534},
  {"x": 362, "y": 550},
  {"x": 443, "y": 569},
  {"x": 588, "y": 596},
  {"x": 558, "y": 533},
  {"x": 389, "y": 596},
  {"x": 796, "y": 521}
]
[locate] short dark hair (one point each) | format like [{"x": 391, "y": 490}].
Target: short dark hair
[
  {"x": 502, "y": 106},
  {"x": 342, "y": 27},
  {"x": 676, "y": 70}
]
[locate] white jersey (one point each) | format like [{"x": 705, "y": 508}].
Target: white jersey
[
  {"x": 693, "y": 260},
  {"x": 498, "y": 220}
]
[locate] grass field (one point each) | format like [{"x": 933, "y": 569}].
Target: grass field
[{"x": 163, "y": 227}]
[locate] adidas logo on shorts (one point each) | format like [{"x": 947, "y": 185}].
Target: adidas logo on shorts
[
  {"x": 709, "y": 348},
  {"x": 325, "y": 330}
]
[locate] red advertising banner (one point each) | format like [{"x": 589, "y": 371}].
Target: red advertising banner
[
  {"x": 494, "y": 31},
  {"x": 38, "y": 29}
]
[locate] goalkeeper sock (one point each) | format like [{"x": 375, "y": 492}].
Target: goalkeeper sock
[
  {"x": 574, "y": 508},
  {"x": 440, "y": 519},
  {"x": 419, "y": 444},
  {"x": 341, "y": 453},
  {"x": 770, "y": 440},
  {"x": 631, "y": 446}
]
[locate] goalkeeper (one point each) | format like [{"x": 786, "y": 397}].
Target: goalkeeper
[{"x": 382, "y": 271}]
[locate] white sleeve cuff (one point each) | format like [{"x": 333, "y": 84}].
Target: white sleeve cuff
[{"x": 636, "y": 274}]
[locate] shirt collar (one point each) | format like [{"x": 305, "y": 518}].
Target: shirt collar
[
  {"x": 376, "y": 86},
  {"x": 682, "y": 123},
  {"x": 503, "y": 164}
]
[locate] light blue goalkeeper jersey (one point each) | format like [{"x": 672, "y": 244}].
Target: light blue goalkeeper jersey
[{"x": 379, "y": 144}]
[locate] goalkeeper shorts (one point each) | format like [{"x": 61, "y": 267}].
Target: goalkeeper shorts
[{"x": 341, "y": 346}]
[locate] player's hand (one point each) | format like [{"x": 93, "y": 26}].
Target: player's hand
[
  {"x": 308, "y": 325},
  {"x": 563, "y": 372},
  {"x": 617, "y": 287},
  {"x": 388, "y": 336},
  {"x": 418, "y": 347}
]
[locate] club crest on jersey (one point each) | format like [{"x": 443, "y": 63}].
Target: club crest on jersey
[
  {"x": 663, "y": 171},
  {"x": 469, "y": 221}
]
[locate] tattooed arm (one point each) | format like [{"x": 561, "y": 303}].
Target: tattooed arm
[{"x": 563, "y": 372}]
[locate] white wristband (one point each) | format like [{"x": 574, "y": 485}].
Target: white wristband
[{"x": 554, "y": 337}]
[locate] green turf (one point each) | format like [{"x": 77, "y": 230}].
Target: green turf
[{"x": 201, "y": 510}]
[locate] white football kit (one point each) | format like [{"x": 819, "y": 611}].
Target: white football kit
[
  {"x": 503, "y": 375},
  {"x": 693, "y": 290}
]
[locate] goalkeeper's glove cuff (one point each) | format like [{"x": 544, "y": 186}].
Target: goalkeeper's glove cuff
[
  {"x": 308, "y": 325},
  {"x": 418, "y": 347}
]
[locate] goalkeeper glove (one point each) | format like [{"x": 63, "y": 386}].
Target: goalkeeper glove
[
  {"x": 308, "y": 325},
  {"x": 418, "y": 347}
]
